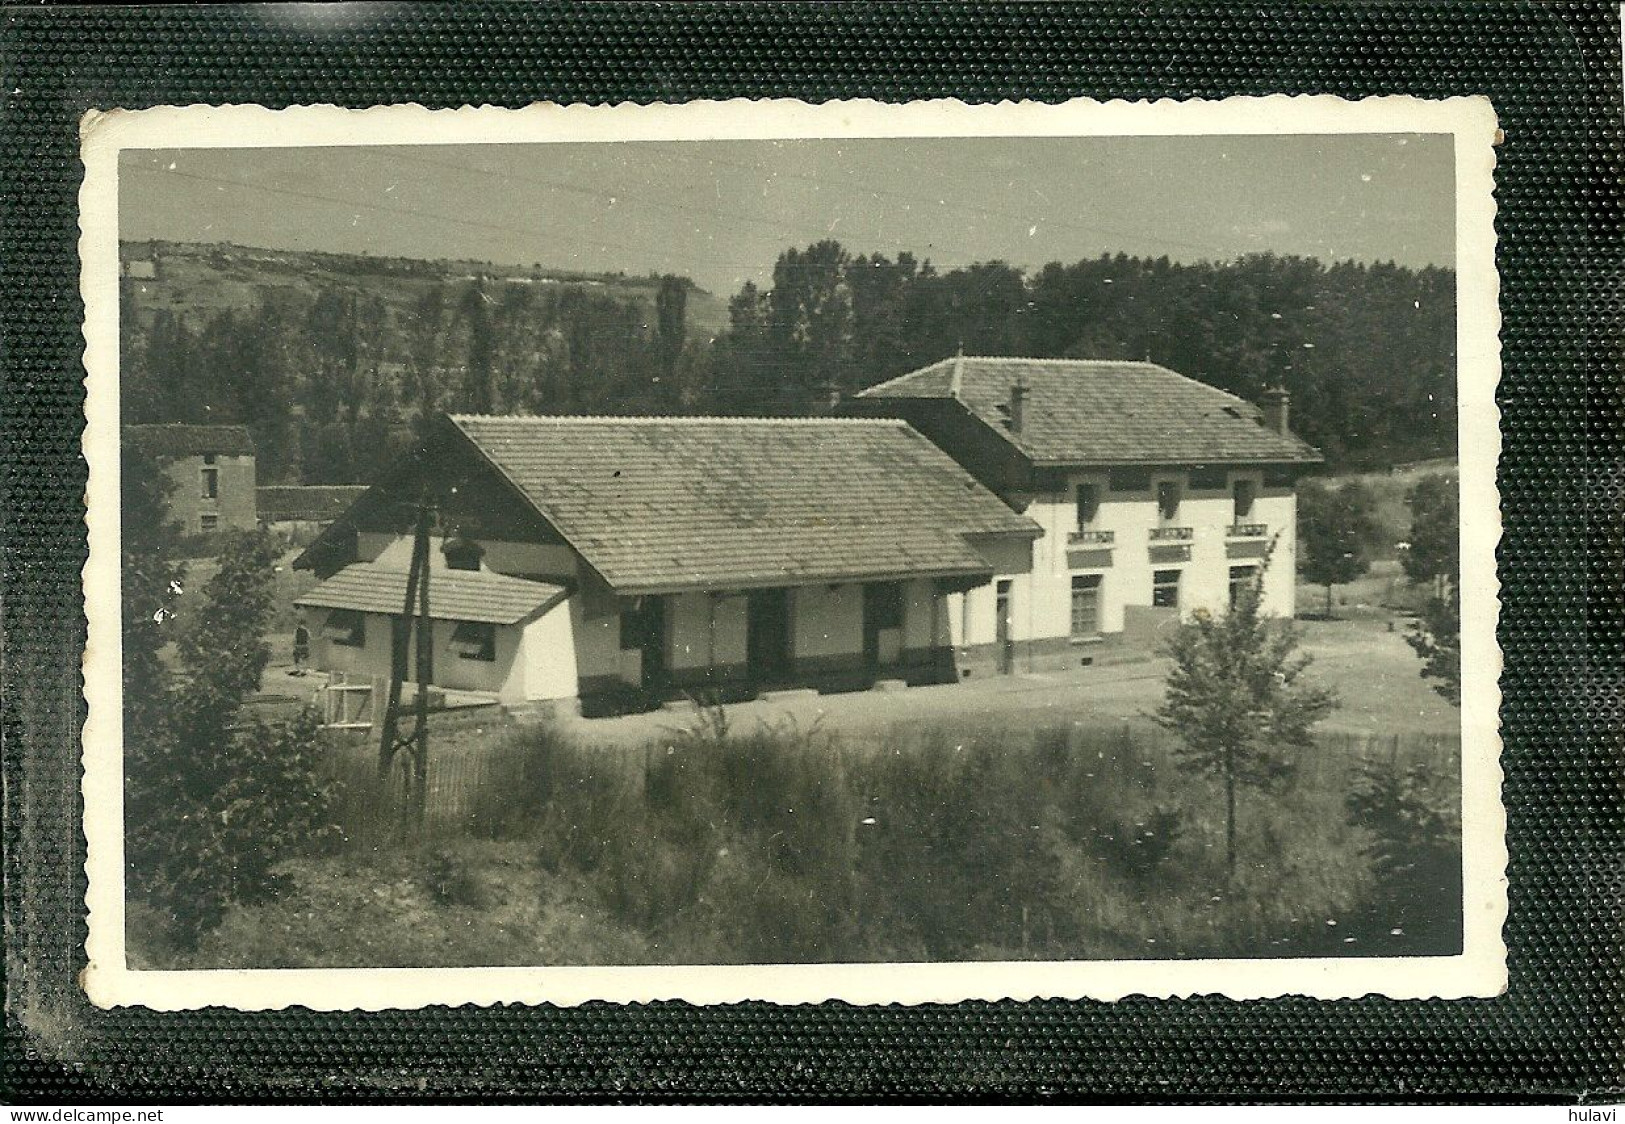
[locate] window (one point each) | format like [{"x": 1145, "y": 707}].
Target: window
[
  {"x": 1130, "y": 479},
  {"x": 462, "y": 554},
  {"x": 1244, "y": 491},
  {"x": 211, "y": 483},
  {"x": 1208, "y": 479},
  {"x": 1165, "y": 589},
  {"x": 208, "y": 458},
  {"x": 345, "y": 627},
  {"x": 208, "y": 522},
  {"x": 1240, "y": 578},
  {"x": 1088, "y": 501},
  {"x": 475, "y": 640},
  {"x": 1085, "y": 605},
  {"x": 1168, "y": 500}
]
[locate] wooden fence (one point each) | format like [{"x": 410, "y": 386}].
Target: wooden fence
[{"x": 471, "y": 786}]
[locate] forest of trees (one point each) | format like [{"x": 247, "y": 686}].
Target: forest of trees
[{"x": 331, "y": 383}]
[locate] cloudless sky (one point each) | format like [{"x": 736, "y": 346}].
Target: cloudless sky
[{"x": 721, "y": 211}]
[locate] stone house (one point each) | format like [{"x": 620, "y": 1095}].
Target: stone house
[{"x": 211, "y": 468}]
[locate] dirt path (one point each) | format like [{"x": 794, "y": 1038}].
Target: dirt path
[{"x": 1372, "y": 668}]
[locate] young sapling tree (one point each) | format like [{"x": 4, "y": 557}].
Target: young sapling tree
[{"x": 1237, "y": 699}]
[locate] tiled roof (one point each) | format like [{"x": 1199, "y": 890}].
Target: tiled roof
[
  {"x": 1087, "y": 411},
  {"x": 191, "y": 440},
  {"x": 461, "y": 596},
  {"x": 318, "y": 503},
  {"x": 657, "y": 504}
]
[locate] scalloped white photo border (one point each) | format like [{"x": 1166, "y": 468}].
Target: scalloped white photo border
[{"x": 1480, "y": 970}]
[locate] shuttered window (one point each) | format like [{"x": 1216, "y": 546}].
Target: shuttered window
[
  {"x": 1087, "y": 497},
  {"x": 475, "y": 640},
  {"x": 1168, "y": 501},
  {"x": 345, "y": 627},
  {"x": 1244, "y": 492}
]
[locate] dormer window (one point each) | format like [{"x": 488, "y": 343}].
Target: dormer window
[{"x": 462, "y": 554}]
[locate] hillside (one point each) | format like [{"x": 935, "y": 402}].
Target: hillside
[
  {"x": 198, "y": 280},
  {"x": 330, "y": 358}
]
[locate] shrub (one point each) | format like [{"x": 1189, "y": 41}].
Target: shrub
[
  {"x": 450, "y": 879},
  {"x": 1412, "y": 818}
]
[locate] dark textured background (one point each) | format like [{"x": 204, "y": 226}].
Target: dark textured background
[{"x": 1552, "y": 71}]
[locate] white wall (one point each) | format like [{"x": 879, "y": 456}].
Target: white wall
[
  {"x": 1042, "y": 601},
  {"x": 925, "y": 615},
  {"x": 971, "y": 614},
  {"x": 550, "y": 655},
  {"x": 597, "y": 631},
  {"x": 370, "y": 659},
  {"x": 504, "y": 677}
]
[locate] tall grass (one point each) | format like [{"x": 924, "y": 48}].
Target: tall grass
[{"x": 786, "y": 844}]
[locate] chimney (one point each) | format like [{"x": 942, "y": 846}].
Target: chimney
[
  {"x": 1018, "y": 404},
  {"x": 1276, "y": 404}
]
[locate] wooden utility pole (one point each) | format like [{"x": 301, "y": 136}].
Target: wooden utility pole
[{"x": 414, "y": 621}]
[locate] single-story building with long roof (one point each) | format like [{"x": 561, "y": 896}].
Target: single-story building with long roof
[{"x": 606, "y": 557}]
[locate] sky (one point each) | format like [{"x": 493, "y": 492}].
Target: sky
[{"x": 720, "y": 212}]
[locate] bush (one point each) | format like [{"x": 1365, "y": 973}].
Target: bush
[
  {"x": 1412, "y": 818},
  {"x": 785, "y": 844},
  {"x": 451, "y": 879}
]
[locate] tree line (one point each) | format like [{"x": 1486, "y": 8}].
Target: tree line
[{"x": 331, "y": 381}]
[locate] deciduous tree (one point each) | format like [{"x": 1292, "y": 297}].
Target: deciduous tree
[
  {"x": 213, "y": 801},
  {"x": 1435, "y": 540},
  {"x": 1436, "y": 637},
  {"x": 1238, "y": 701},
  {"x": 1335, "y": 533}
]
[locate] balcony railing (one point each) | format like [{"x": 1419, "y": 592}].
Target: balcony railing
[
  {"x": 1091, "y": 538},
  {"x": 1248, "y": 530},
  {"x": 1172, "y": 534}
]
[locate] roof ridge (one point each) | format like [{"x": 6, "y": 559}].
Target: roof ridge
[
  {"x": 909, "y": 374},
  {"x": 362, "y": 565},
  {"x": 1058, "y": 359}
]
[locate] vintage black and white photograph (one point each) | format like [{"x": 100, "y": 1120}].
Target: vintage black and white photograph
[{"x": 884, "y": 553}]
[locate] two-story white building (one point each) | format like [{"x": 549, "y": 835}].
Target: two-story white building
[{"x": 1157, "y": 495}]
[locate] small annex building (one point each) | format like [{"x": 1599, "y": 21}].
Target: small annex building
[
  {"x": 1157, "y": 495},
  {"x": 301, "y": 509},
  {"x": 211, "y": 468},
  {"x": 607, "y": 559}
]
